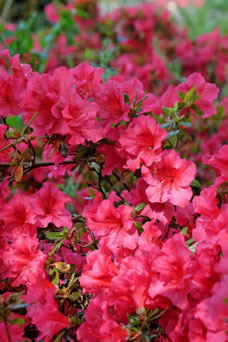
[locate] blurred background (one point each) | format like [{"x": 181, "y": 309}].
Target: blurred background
[{"x": 204, "y": 17}]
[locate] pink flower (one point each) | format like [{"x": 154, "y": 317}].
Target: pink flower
[
  {"x": 46, "y": 316},
  {"x": 110, "y": 98},
  {"x": 219, "y": 162},
  {"x": 169, "y": 179},
  {"x": 23, "y": 71},
  {"x": 80, "y": 116},
  {"x": 207, "y": 204},
  {"x": 208, "y": 93},
  {"x": 111, "y": 101},
  {"x": 100, "y": 324},
  {"x": 114, "y": 158},
  {"x": 43, "y": 95},
  {"x": 10, "y": 89},
  {"x": 172, "y": 268},
  {"x": 49, "y": 205},
  {"x": 116, "y": 224},
  {"x": 142, "y": 140},
  {"x": 98, "y": 271},
  {"x": 24, "y": 260},
  {"x": 18, "y": 216},
  {"x": 159, "y": 211},
  {"x": 87, "y": 78},
  {"x": 4, "y": 155}
]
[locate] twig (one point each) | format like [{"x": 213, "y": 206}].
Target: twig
[
  {"x": 124, "y": 184},
  {"x": 7, "y": 329}
]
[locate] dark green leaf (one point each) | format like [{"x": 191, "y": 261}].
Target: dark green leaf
[
  {"x": 195, "y": 183},
  {"x": 181, "y": 95},
  {"x": 138, "y": 226},
  {"x": 165, "y": 112},
  {"x": 127, "y": 99}
]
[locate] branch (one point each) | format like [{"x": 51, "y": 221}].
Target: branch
[{"x": 28, "y": 166}]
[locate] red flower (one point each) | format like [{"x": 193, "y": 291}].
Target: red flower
[
  {"x": 46, "y": 316},
  {"x": 23, "y": 260},
  {"x": 18, "y": 216},
  {"x": 43, "y": 95},
  {"x": 10, "y": 89},
  {"x": 80, "y": 116},
  {"x": 4, "y": 155},
  {"x": 49, "y": 205},
  {"x": 87, "y": 78},
  {"x": 142, "y": 140},
  {"x": 100, "y": 325},
  {"x": 172, "y": 268},
  {"x": 98, "y": 271},
  {"x": 116, "y": 224},
  {"x": 169, "y": 179},
  {"x": 219, "y": 162},
  {"x": 208, "y": 93}
]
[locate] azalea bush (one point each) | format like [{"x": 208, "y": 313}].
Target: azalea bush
[{"x": 113, "y": 179}]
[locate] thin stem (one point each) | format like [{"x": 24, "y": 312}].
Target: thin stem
[
  {"x": 124, "y": 184},
  {"x": 7, "y": 329}
]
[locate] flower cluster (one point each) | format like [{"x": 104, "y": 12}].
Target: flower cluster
[{"x": 113, "y": 190}]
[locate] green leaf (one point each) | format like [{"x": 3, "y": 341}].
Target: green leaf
[
  {"x": 196, "y": 98},
  {"x": 139, "y": 103},
  {"x": 54, "y": 235},
  {"x": 192, "y": 248},
  {"x": 82, "y": 14},
  {"x": 136, "y": 96},
  {"x": 138, "y": 226},
  {"x": 72, "y": 281},
  {"x": 74, "y": 296},
  {"x": 173, "y": 140},
  {"x": 165, "y": 112},
  {"x": 140, "y": 207},
  {"x": 175, "y": 106},
  {"x": 54, "y": 273},
  {"x": 127, "y": 99},
  {"x": 181, "y": 95},
  {"x": 167, "y": 124},
  {"x": 189, "y": 97},
  {"x": 15, "y": 121},
  {"x": 220, "y": 111},
  {"x": 75, "y": 321},
  {"x": 184, "y": 230},
  {"x": 92, "y": 194},
  {"x": 189, "y": 241},
  {"x": 171, "y": 134},
  {"x": 65, "y": 230},
  {"x": 195, "y": 183},
  {"x": 58, "y": 245},
  {"x": 59, "y": 337},
  {"x": 185, "y": 123},
  {"x": 18, "y": 321},
  {"x": 197, "y": 109}
]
